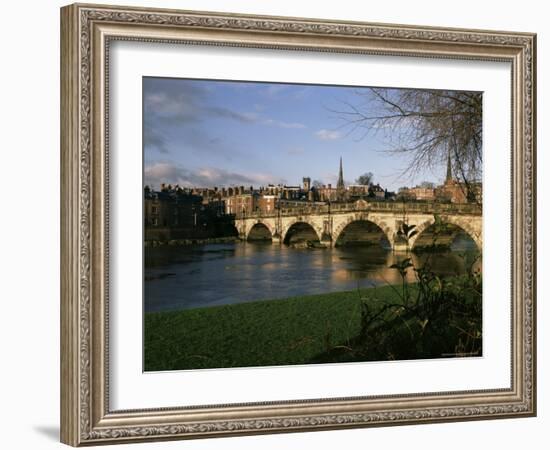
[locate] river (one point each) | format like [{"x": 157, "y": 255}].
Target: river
[{"x": 218, "y": 274}]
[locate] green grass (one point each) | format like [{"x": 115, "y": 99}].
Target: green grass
[{"x": 277, "y": 332}]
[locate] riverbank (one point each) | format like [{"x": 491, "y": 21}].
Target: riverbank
[
  {"x": 277, "y": 332},
  {"x": 198, "y": 241}
]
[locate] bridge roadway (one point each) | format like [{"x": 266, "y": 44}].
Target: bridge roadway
[{"x": 329, "y": 221}]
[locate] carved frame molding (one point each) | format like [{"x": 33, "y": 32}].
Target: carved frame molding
[{"x": 86, "y": 31}]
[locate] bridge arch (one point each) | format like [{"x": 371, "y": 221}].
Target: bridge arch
[
  {"x": 380, "y": 224},
  {"x": 306, "y": 227},
  {"x": 472, "y": 227},
  {"x": 260, "y": 231},
  {"x": 420, "y": 228}
]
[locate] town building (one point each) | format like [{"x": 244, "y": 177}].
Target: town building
[
  {"x": 357, "y": 191},
  {"x": 176, "y": 213},
  {"x": 454, "y": 191},
  {"x": 422, "y": 193},
  {"x": 170, "y": 208},
  {"x": 451, "y": 191},
  {"x": 326, "y": 193},
  {"x": 242, "y": 203},
  {"x": 204, "y": 211},
  {"x": 377, "y": 192},
  {"x": 267, "y": 203}
]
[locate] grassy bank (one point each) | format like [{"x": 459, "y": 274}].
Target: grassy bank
[
  {"x": 291, "y": 331},
  {"x": 435, "y": 317}
]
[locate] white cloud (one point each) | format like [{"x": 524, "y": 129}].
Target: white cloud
[
  {"x": 328, "y": 135},
  {"x": 187, "y": 104},
  {"x": 159, "y": 172},
  {"x": 181, "y": 106},
  {"x": 152, "y": 139},
  {"x": 280, "y": 124}
]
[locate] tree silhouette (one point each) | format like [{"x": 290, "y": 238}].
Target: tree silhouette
[
  {"x": 427, "y": 125},
  {"x": 366, "y": 179}
]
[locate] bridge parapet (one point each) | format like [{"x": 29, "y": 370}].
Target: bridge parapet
[{"x": 393, "y": 207}]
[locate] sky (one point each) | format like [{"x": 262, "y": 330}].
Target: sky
[{"x": 205, "y": 133}]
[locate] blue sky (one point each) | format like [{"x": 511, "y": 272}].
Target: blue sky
[{"x": 224, "y": 133}]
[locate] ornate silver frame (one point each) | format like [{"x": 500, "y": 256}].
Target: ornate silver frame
[{"x": 86, "y": 31}]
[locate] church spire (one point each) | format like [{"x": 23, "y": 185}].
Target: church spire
[
  {"x": 340, "y": 184},
  {"x": 449, "y": 176}
]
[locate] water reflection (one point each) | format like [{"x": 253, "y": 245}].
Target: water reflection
[{"x": 216, "y": 274}]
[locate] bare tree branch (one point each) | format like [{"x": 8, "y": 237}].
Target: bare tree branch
[{"x": 428, "y": 125}]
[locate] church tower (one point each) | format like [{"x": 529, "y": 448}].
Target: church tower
[
  {"x": 340, "y": 188},
  {"x": 449, "y": 177},
  {"x": 340, "y": 184}
]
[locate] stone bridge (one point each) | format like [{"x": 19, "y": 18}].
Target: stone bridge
[{"x": 326, "y": 223}]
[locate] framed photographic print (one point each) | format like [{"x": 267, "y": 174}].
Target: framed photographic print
[{"x": 275, "y": 224}]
